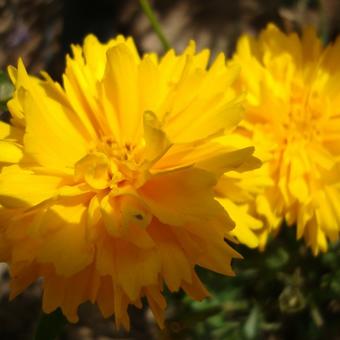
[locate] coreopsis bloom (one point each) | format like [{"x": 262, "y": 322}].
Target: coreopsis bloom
[
  {"x": 242, "y": 194},
  {"x": 107, "y": 181},
  {"x": 292, "y": 117}
]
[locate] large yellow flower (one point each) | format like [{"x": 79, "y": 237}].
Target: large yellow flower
[
  {"x": 107, "y": 182},
  {"x": 293, "y": 118}
]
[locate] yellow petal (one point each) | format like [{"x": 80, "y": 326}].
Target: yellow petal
[
  {"x": 22, "y": 188},
  {"x": 67, "y": 247},
  {"x": 181, "y": 196},
  {"x": 157, "y": 304},
  {"x": 230, "y": 161},
  {"x": 94, "y": 169},
  {"x": 10, "y": 132},
  {"x": 120, "y": 80},
  {"x": 54, "y": 292},
  {"x": 22, "y": 280},
  {"x": 58, "y": 144},
  {"x": 195, "y": 289},
  {"x": 246, "y": 225},
  {"x": 175, "y": 265},
  {"x": 10, "y": 152},
  {"x": 156, "y": 141}
]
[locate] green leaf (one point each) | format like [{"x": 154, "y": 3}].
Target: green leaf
[
  {"x": 50, "y": 325},
  {"x": 252, "y": 324},
  {"x": 291, "y": 300},
  {"x": 6, "y": 90},
  {"x": 278, "y": 259}
]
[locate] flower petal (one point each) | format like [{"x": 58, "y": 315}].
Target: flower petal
[
  {"x": 22, "y": 188},
  {"x": 185, "y": 195},
  {"x": 66, "y": 247}
]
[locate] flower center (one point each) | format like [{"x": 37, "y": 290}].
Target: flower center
[
  {"x": 110, "y": 165},
  {"x": 302, "y": 121}
]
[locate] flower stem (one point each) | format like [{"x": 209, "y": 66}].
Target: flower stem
[
  {"x": 50, "y": 325},
  {"x": 324, "y": 25},
  {"x": 149, "y": 12}
]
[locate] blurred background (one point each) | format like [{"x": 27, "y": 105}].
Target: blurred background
[
  {"x": 283, "y": 293},
  {"x": 41, "y": 31}
]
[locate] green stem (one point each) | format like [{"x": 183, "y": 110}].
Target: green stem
[
  {"x": 50, "y": 325},
  {"x": 324, "y": 26},
  {"x": 149, "y": 12},
  {"x": 316, "y": 315}
]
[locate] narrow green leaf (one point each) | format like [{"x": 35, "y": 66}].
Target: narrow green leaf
[{"x": 252, "y": 325}]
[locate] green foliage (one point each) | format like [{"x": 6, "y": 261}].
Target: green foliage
[
  {"x": 6, "y": 90},
  {"x": 284, "y": 292},
  {"x": 50, "y": 325}
]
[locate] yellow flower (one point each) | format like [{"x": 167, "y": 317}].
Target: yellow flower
[
  {"x": 107, "y": 182},
  {"x": 292, "y": 117},
  {"x": 242, "y": 193}
]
